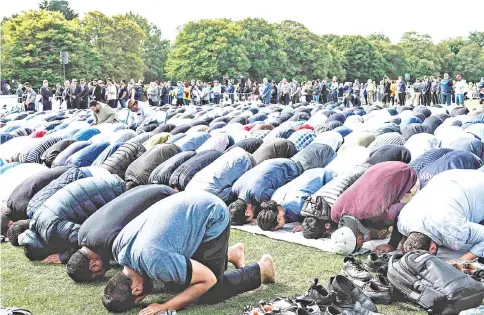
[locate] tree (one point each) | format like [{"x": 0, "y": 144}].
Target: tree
[
  {"x": 32, "y": 43},
  {"x": 155, "y": 49},
  {"x": 119, "y": 40},
  {"x": 61, "y": 6},
  {"x": 208, "y": 49},
  {"x": 477, "y": 38},
  {"x": 470, "y": 62},
  {"x": 379, "y": 37},
  {"x": 308, "y": 54},
  {"x": 394, "y": 64},
  {"x": 362, "y": 60},
  {"x": 421, "y": 55},
  {"x": 264, "y": 47}
]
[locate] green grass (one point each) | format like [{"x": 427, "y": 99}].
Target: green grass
[{"x": 47, "y": 290}]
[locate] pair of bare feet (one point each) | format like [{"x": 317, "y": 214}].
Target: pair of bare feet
[{"x": 236, "y": 256}]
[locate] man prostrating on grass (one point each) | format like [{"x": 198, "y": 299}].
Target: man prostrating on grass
[{"x": 182, "y": 242}]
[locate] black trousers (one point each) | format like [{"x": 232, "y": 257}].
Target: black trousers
[
  {"x": 435, "y": 98},
  {"x": 426, "y": 98},
  {"x": 401, "y": 98},
  {"x": 286, "y": 99},
  {"x": 213, "y": 254}
]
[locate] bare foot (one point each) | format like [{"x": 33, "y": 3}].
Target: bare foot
[
  {"x": 236, "y": 255},
  {"x": 267, "y": 271}
]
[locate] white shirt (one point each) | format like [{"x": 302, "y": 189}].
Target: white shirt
[{"x": 460, "y": 87}]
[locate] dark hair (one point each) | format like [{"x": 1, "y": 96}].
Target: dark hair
[
  {"x": 92, "y": 103},
  {"x": 117, "y": 293},
  {"x": 416, "y": 241},
  {"x": 237, "y": 212},
  {"x": 313, "y": 228},
  {"x": 15, "y": 230},
  {"x": 267, "y": 218},
  {"x": 78, "y": 268}
]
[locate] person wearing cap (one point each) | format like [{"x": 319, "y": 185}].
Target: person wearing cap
[
  {"x": 182, "y": 242},
  {"x": 371, "y": 204},
  {"x": 138, "y": 112},
  {"x": 460, "y": 88},
  {"x": 97, "y": 234},
  {"x": 258, "y": 185},
  {"x": 102, "y": 113},
  {"x": 30, "y": 100},
  {"x": 448, "y": 213}
]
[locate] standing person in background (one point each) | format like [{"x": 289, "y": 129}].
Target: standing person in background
[
  {"x": 295, "y": 91},
  {"x": 59, "y": 90},
  {"x": 138, "y": 91},
  {"x": 153, "y": 94},
  {"x": 324, "y": 92},
  {"x": 480, "y": 89},
  {"x": 217, "y": 91},
  {"x": 370, "y": 89},
  {"x": 205, "y": 94},
  {"x": 30, "y": 100},
  {"x": 74, "y": 92},
  {"x": 92, "y": 89},
  {"x": 230, "y": 90},
  {"x": 274, "y": 93},
  {"x": 255, "y": 91},
  {"x": 83, "y": 95},
  {"x": 334, "y": 90},
  {"x": 103, "y": 91},
  {"x": 434, "y": 90},
  {"x": 165, "y": 91},
  {"x": 446, "y": 89},
  {"x": 341, "y": 90},
  {"x": 286, "y": 91},
  {"x": 417, "y": 92},
  {"x": 460, "y": 87},
  {"x": 180, "y": 90},
  {"x": 123, "y": 94},
  {"x": 266, "y": 93},
  {"x": 393, "y": 89},
  {"x": 96, "y": 92},
  {"x": 196, "y": 94},
  {"x": 356, "y": 92},
  {"x": 111, "y": 93},
  {"x": 130, "y": 90},
  {"x": 401, "y": 90},
  {"x": 386, "y": 90},
  {"x": 186, "y": 93},
  {"x": 65, "y": 94},
  {"x": 380, "y": 92},
  {"x": 426, "y": 94},
  {"x": 46, "y": 96},
  {"x": 20, "y": 93},
  {"x": 317, "y": 91}
]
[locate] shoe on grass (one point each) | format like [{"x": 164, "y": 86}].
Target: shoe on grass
[
  {"x": 316, "y": 294},
  {"x": 348, "y": 291},
  {"x": 354, "y": 269},
  {"x": 335, "y": 310},
  {"x": 375, "y": 261},
  {"x": 378, "y": 293}
]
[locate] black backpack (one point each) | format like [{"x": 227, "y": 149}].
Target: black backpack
[{"x": 433, "y": 284}]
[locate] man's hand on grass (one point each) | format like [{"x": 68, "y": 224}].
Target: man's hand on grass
[
  {"x": 152, "y": 309},
  {"x": 53, "y": 259}
]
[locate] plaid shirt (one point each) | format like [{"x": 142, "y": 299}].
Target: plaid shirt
[
  {"x": 260, "y": 134},
  {"x": 387, "y": 138},
  {"x": 302, "y": 138}
]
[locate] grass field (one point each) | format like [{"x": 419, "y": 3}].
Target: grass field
[{"x": 47, "y": 290}]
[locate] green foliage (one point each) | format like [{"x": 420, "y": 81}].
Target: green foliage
[
  {"x": 477, "y": 38},
  {"x": 470, "y": 62},
  {"x": 421, "y": 55},
  {"x": 61, "y": 6},
  {"x": 362, "y": 60},
  {"x": 155, "y": 49},
  {"x": 379, "y": 37},
  {"x": 208, "y": 49},
  {"x": 32, "y": 43},
  {"x": 265, "y": 49}
]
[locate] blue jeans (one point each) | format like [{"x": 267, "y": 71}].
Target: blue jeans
[
  {"x": 459, "y": 99},
  {"x": 334, "y": 95},
  {"x": 446, "y": 98},
  {"x": 316, "y": 98},
  {"x": 123, "y": 103}
]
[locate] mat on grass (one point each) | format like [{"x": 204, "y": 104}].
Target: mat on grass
[{"x": 324, "y": 244}]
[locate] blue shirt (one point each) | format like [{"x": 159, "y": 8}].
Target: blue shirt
[
  {"x": 192, "y": 142},
  {"x": 259, "y": 183},
  {"x": 292, "y": 195},
  {"x": 451, "y": 219},
  {"x": 445, "y": 85},
  {"x": 161, "y": 240}
]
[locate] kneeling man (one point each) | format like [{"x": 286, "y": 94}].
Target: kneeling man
[{"x": 183, "y": 242}]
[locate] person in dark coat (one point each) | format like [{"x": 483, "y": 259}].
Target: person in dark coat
[
  {"x": 46, "y": 96},
  {"x": 250, "y": 145},
  {"x": 53, "y": 229},
  {"x": 83, "y": 95},
  {"x": 120, "y": 160},
  {"x": 277, "y": 148},
  {"x": 98, "y": 232},
  {"x": 73, "y": 93},
  {"x": 161, "y": 174},
  {"x": 98, "y": 91}
]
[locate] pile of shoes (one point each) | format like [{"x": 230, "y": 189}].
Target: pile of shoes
[{"x": 370, "y": 276}]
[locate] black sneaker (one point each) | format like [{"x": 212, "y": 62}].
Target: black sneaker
[
  {"x": 347, "y": 291},
  {"x": 335, "y": 310},
  {"x": 316, "y": 294},
  {"x": 375, "y": 261},
  {"x": 378, "y": 293}
]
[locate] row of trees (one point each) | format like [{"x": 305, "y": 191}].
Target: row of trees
[{"x": 128, "y": 46}]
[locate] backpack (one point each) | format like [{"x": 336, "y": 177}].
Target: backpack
[{"x": 433, "y": 284}]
